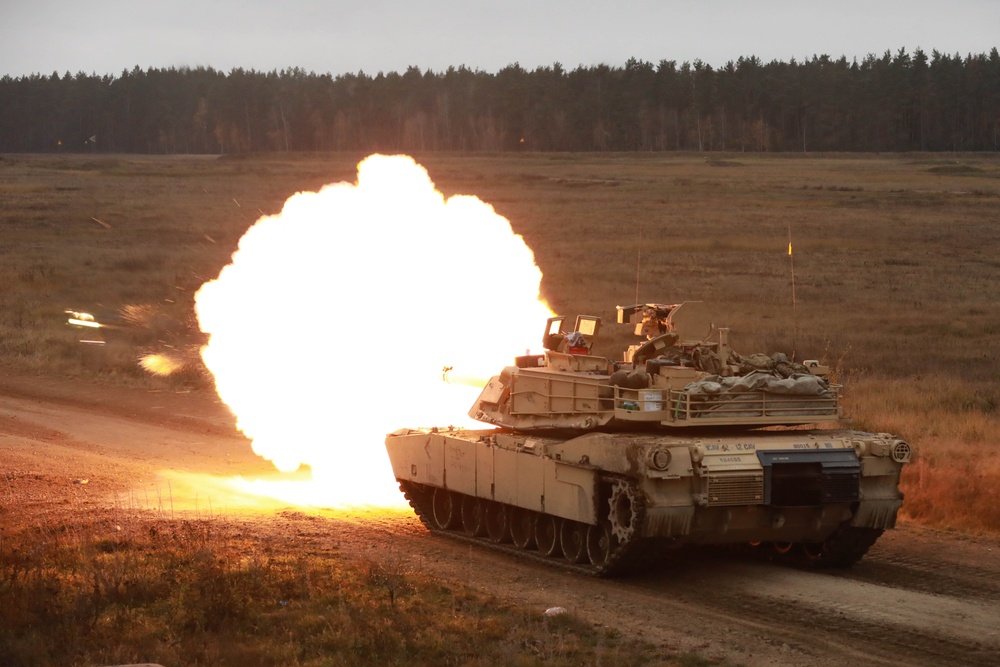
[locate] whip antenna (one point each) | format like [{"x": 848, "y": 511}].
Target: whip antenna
[{"x": 638, "y": 258}]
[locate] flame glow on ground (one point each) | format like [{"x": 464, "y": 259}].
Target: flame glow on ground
[{"x": 332, "y": 324}]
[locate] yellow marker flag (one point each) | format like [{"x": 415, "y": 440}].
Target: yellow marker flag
[{"x": 789, "y": 248}]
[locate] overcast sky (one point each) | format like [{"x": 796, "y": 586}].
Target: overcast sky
[{"x": 108, "y": 36}]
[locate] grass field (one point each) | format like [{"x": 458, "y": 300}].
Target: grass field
[
  {"x": 116, "y": 587},
  {"x": 896, "y": 268},
  {"x": 896, "y": 276}
]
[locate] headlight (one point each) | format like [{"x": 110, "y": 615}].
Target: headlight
[
  {"x": 901, "y": 452},
  {"x": 659, "y": 458}
]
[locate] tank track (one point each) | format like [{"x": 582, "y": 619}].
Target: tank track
[
  {"x": 624, "y": 555},
  {"x": 846, "y": 546}
]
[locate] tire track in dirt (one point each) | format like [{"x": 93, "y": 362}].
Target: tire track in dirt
[
  {"x": 888, "y": 622},
  {"x": 934, "y": 577},
  {"x": 712, "y": 602},
  {"x": 918, "y": 598}
]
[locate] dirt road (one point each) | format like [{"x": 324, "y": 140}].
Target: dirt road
[{"x": 920, "y": 597}]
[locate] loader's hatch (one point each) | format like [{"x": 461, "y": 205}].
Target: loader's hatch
[{"x": 800, "y": 478}]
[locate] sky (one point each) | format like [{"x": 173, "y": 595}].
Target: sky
[{"x": 331, "y": 36}]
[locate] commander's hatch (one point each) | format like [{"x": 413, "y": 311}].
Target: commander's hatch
[{"x": 578, "y": 341}]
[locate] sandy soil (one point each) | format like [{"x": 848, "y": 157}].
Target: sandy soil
[{"x": 921, "y": 597}]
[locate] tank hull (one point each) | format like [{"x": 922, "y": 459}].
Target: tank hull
[{"x": 601, "y": 500}]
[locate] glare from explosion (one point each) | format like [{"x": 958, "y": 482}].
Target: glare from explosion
[
  {"x": 336, "y": 317},
  {"x": 160, "y": 364}
]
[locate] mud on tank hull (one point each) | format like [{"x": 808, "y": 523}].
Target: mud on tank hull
[{"x": 601, "y": 502}]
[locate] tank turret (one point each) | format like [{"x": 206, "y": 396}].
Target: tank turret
[
  {"x": 684, "y": 374},
  {"x": 596, "y": 463}
]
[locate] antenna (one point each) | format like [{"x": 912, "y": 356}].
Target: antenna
[{"x": 638, "y": 258}]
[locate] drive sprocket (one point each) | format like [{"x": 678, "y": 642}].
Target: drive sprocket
[{"x": 626, "y": 505}]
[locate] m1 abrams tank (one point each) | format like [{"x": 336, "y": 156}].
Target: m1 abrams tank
[{"x": 601, "y": 463}]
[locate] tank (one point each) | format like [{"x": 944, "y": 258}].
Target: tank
[{"x": 601, "y": 465}]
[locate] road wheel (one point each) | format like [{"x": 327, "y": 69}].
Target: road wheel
[
  {"x": 445, "y": 512},
  {"x": 547, "y": 535},
  {"x": 811, "y": 551},
  {"x": 782, "y": 548},
  {"x": 473, "y": 516},
  {"x": 573, "y": 540},
  {"x": 600, "y": 544},
  {"x": 522, "y": 528},
  {"x": 497, "y": 522}
]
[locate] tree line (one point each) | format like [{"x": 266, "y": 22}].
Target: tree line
[{"x": 894, "y": 102}]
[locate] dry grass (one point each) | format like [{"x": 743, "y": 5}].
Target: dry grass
[
  {"x": 130, "y": 588},
  {"x": 953, "y": 483},
  {"x": 896, "y": 276},
  {"x": 896, "y": 268}
]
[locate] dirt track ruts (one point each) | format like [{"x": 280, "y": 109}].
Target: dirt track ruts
[{"x": 920, "y": 597}]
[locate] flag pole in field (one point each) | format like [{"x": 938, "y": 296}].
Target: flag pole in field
[
  {"x": 791, "y": 263},
  {"x": 795, "y": 319}
]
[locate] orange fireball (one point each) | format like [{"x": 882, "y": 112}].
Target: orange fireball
[{"x": 333, "y": 323}]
